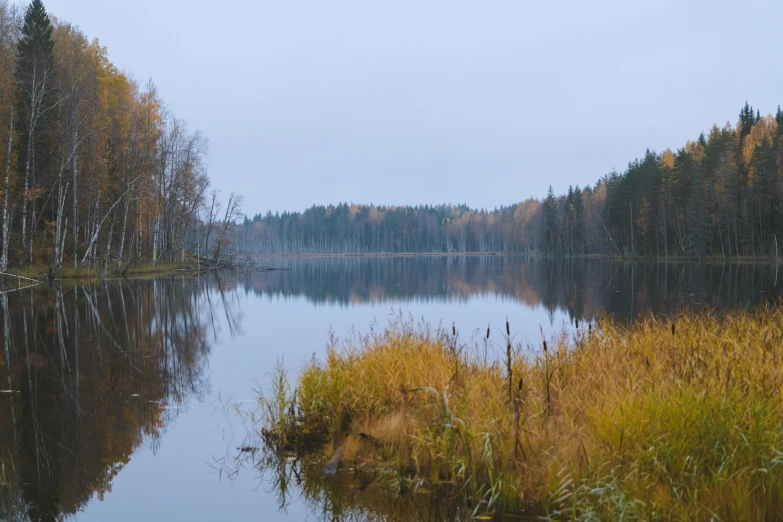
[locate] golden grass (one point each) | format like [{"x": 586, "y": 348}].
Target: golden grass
[{"x": 661, "y": 420}]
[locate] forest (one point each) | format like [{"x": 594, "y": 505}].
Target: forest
[
  {"x": 96, "y": 169},
  {"x": 718, "y": 196}
]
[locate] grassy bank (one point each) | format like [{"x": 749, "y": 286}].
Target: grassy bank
[
  {"x": 139, "y": 270},
  {"x": 661, "y": 420}
]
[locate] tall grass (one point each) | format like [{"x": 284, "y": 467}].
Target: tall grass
[{"x": 660, "y": 420}]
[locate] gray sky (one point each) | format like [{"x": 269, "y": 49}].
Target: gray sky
[{"x": 430, "y": 101}]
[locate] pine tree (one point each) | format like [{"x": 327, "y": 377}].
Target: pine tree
[
  {"x": 579, "y": 210},
  {"x": 550, "y": 220},
  {"x": 36, "y": 97},
  {"x": 36, "y": 36},
  {"x": 34, "y": 68},
  {"x": 747, "y": 120}
]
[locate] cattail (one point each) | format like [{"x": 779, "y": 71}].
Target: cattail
[
  {"x": 487, "y": 331},
  {"x": 521, "y": 383},
  {"x": 453, "y": 330},
  {"x": 576, "y": 321},
  {"x": 508, "y": 328},
  {"x": 589, "y": 328},
  {"x": 673, "y": 329},
  {"x": 544, "y": 345}
]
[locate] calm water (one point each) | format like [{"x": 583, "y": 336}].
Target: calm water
[{"x": 113, "y": 393}]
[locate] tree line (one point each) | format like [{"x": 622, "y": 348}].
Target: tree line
[
  {"x": 720, "y": 195},
  {"x": 95, "y": 168}
]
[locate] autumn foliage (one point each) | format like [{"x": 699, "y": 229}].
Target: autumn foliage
[
  {"x": 96, "y": 169},
  {"x": 719, "y": 196}
]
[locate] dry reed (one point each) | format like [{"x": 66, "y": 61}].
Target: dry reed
[{"x": 610, "y": 422}]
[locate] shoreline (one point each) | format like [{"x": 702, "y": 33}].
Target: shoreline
[
  {"x": 597, "y": 257},
  {"x": 38, "y": 275}
]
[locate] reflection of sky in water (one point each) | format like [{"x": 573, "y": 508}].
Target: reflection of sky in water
[
  {"x": 178, "y": 484},
  {"x": 258, "y": 320}
]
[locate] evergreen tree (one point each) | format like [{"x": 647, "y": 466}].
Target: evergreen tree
[
  {"x": 579, "y": 228},
  {"x": 34, "y": 67},
  {"x": 550, "y": 220},
  {"x": 747, "y": 120},
  {"x": 36, "y": 97}
]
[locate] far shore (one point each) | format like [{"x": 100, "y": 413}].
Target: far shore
[
  {"x": 670, "y": 259},
  {"x": 39, "y": 274}
]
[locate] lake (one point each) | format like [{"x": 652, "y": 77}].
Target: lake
[{"x": 117, "y": 396}]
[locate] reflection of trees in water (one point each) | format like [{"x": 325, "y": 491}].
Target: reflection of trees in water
[
  {"x": 96, "y": 371},
  {"x": 581, "y": 288},
  {"x": 351, "y": 496}
]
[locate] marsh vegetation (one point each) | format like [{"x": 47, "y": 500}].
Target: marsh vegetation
[{"x": 664, "y": 419}]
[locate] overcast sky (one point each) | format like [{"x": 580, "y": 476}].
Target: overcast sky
[{"x": 429, "y": 101}]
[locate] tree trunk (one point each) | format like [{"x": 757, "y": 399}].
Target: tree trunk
[
  {"x": 75, "y": 206},
  {"x": 124, "y": 227},
  {"x": 27, "y": 179},
  {"x": 6, "y": 188},
  {"x": 100, "y": 224}
]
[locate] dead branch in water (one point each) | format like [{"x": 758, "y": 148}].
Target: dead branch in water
[{"x": 19, "y": 279}]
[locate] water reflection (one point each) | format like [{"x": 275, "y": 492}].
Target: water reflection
[
  {"x": 353, "y": 495},
  {"x": 90, "y": 373},
  {"x": 582, "y": 288},
  {"x": 359, "y": 497}
]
